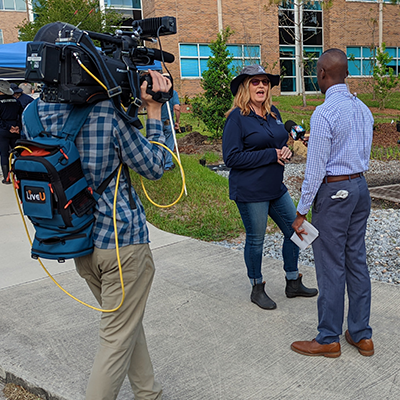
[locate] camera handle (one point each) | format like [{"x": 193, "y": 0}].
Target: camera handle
[{"x": 161, "y": 97}]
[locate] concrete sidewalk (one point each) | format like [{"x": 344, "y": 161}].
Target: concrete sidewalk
[{"x": 206, "y": 339}]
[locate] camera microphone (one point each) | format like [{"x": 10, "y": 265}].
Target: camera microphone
[
  {"x": 296, "y": 131},
  {"x": 155, "y": 54}
]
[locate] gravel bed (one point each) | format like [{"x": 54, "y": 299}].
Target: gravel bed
[{"x": 383, "y": 227}]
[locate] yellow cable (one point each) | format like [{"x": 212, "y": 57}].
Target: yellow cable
[
  {"x": 159, "y": 144},
  {"x": 183, "y": 180},
  {"x": 116, "y": 242},
  {"x": 95, "y": 77}
]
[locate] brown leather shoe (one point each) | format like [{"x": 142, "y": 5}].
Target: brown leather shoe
[
  {"x": 313, "y": 348},
  {"x": 365, "y": 346}
]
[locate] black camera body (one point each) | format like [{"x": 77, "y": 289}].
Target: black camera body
[{"x": 73, "y": 70}]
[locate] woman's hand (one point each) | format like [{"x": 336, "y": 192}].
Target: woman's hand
[{"x": 284, "y": 154}]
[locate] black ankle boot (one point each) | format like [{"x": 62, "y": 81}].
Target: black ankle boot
[
  {"x": 259, "y": 297},
  {"x": 296, "y": 288}
]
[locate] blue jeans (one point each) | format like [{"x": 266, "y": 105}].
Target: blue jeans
[
  {"x": 169, "y": 142},
  {"x": 255, "y": 217}
]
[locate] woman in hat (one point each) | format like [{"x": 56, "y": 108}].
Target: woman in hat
[
  {"x": 10, "y": 125},
  {"x": 254, "y": 147}
]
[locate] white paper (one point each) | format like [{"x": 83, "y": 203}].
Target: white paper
[{"x": 307, "y": 239}]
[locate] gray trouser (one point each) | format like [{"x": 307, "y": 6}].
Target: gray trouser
[
  {"x": 340, "y": 259},
  {"x": 123, "y": 348}
]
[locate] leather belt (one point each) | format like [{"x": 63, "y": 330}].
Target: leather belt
[{"x": 338, "y": 178}]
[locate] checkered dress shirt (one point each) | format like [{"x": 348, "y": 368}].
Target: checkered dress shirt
[{"x": 340, "y": 141}]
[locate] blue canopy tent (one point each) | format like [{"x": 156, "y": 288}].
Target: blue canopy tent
[{"x": 13, "y": 62}]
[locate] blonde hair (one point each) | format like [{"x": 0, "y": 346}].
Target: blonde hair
[{"x": 242, "y": 100}]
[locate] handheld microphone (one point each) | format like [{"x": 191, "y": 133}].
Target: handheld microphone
[
  {"x": 296, "y": 131},
  {"x": 155, "y": 54}
]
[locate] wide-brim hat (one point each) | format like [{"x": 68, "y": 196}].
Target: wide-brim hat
[
  {"x": 5, "y": 87},
  {"x": 252, "y": 70},
  {"x": 15, "y": 88}
]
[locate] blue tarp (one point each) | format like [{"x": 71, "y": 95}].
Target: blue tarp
[
  {"x": 13, "y": 55},
  {"x": 13, "y": 60}
]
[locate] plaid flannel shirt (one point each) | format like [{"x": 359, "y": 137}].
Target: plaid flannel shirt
[{"x": 103, "y": 142}]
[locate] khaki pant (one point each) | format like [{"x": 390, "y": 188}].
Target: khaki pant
[{"x": 123, "y": 348}]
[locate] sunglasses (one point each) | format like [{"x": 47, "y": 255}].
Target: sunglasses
[{"x": 256, "y": 82}]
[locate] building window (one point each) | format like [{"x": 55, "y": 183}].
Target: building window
[
  {"x": 1, "y": 36},
  {"x": 372, "y": 1},
  {"x": 300, "y": 40},
  {"x": 362, "y": 60},
  {"x": 193, "y": 58},
  {"x": 12, "y": 5},
  {"x": 130, "y": 9}
]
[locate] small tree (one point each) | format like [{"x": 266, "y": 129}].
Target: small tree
[
  {"x": 384, "y": 78},
  {"x": 211, "y": 106},
  {"x": 85, "y": 13}
]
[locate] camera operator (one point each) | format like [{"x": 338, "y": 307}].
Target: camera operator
[{"x": 103, "y": 142}]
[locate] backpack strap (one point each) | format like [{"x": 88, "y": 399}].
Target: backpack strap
[
  {"x": 35, "y": 126},
  {"x": 75, "y": 121},
  {"x": 71, "y": 128}
]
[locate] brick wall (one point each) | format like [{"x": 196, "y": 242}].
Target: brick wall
[
  {"x": 345, "y": 24},
  {"x": 197, "y": 22},
  {"x": 8, "y": 23}
]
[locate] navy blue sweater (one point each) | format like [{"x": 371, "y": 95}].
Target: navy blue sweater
[{"x": 248, "y": 146}]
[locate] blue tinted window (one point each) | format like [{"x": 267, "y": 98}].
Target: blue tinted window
[
  {"x": 367, "y": 52},
  {"x": 252, "y": 51},
  {"x": 20, "y": 5},
  {"x": 189, "y": 68},
  {"x": 287, "y": 51},
  {"x": 355, "y": 67},
  {"x": 205, "y": 50},
  {"x": 315, "y": 51},
  {"x": 194, "y": 58},
  {"x": 355, "y": 51},
  {"x": 391, "y": 51},
  {"x": 124, "y": 3},
  {"x": 288, "y": 85},
  {"x": 188, "y": 50},
  {"x": 236, "y": 51},
  {"x": 9, "y": 5},
  {"x": 367, "y": 67},
  {"x": 203, "y": 66}
]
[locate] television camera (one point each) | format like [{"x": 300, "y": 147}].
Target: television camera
[{"x": 73, "y": 70}]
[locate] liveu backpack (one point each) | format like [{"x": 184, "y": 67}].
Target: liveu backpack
[{"x": 54, "y": 193}]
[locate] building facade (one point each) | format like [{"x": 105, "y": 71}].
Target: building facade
[
  {"x": 12, "y": 14},
  {"x": 274, "y": 35},
  {"x": 269, "y": 34}
]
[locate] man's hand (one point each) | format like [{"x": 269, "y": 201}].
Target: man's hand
[
  {"x": 176, "y": 126},
  {"x": 14, "y": 129},
  {"x": 160, "y": 84},
  {"x": 297, "y": 224},
  {"x": 305, "y": 140},
  {"x": 283, "y": 155}
]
